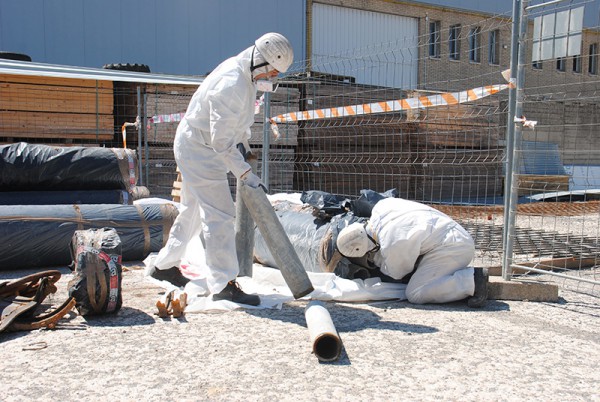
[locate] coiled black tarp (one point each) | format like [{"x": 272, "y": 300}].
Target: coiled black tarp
[
  {"x": 37, "y": 167},
  {"x": 313, "y": 229},
  {"x": 65, "y": 197},
  {"x": 313, "y": 240},
  {"x": 34, "y": 236}
]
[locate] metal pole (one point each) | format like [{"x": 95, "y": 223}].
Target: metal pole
[
  {"x": 266, "y": 139},
  {"x": 147, "y": 150},
  {"x": 511, "y": 211},
  {"x": 510, "y": 127},
  {"x": 139, "y": 130}
]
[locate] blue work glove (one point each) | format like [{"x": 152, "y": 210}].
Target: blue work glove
[{"x": 252, "y": 180}]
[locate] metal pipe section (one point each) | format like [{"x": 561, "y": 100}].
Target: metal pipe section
[
  {"x": 244, "y": 226},
  {"x": 279, "y": 244},
  {"x": 266, "y": 139},
  {"x": 326, "y": 343}
]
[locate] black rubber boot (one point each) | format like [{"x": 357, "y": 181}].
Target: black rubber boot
[
  {"x": 479, "y": 298},
  {"x": 172, "y": 275},
  {"x": 233, "y": 292}
]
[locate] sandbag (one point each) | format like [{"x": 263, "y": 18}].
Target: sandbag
[
  {"x": 39, "y": 235},
  {"x": 97, "y": 271},
  {"x": 37, "y": 167}
]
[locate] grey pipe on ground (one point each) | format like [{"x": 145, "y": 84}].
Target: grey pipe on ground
[
  {"x": 276, "y": 238},
  {"x": 326, "y": 343}
]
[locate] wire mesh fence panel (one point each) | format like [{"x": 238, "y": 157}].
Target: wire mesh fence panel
[
  {"x": 403, "y": 115},
  {"x": 557, "y": 218},
  {"x": 399, "y": 100},
  {"x": 164, "y": 106}
]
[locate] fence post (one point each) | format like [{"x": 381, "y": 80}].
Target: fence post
[
  {"x": 514, "y": 143},
  {"x": 139, "y": 130}
]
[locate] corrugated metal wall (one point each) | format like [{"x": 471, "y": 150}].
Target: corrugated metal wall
[
  {"x": 176, "y": 37},
  {"x": 352, "y": 42}
]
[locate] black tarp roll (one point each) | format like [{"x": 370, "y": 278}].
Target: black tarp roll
[
  {"x": 65, "y": 197},
  {"x": 36, "y": 167},
  {"x": 33, "y": 236},
  {"x": 313, "y": 240}
]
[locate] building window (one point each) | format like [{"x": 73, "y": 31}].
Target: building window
[
  {"x": 434, "y": 39},
  {"x": 494, "y": 48},
  {"x": 593, "y": 64},
  {"x": 561, "y": 64},
  {"x": 577, "y": 64},
  {"x": 454, "y": 42},
  {"x": 475, "y": 45},
  {"x": 537, "y": 65}
]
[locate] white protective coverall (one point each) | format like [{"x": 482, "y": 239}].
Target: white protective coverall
[
  {"x": 218, "y": 118},
  {"x": 406, "y": 230}
]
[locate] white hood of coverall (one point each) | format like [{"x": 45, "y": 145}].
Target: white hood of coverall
[{"x": 213, "y": 116}]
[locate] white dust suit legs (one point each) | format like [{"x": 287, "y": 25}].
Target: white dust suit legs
[
  {"x": 208, "y": 209},
  {"x": 442, "y": 275}
]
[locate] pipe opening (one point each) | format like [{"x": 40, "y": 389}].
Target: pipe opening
[{"x": 327, "y": 347}]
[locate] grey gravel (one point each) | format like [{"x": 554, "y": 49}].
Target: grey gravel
[{"x": 509, "y": 351}]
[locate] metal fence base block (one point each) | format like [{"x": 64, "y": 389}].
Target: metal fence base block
[{"x": 499, "y": 289}]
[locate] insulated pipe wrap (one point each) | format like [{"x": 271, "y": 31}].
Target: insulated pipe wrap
[
  {"x": 244, "y": 227},
  {"x": 326, "y": 343},
  {"x": 277, "y": 240}
]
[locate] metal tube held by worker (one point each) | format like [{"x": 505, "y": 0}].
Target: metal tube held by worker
[
  {"x": 326, "y": 343},
  {"x": 277, "y": 240},
  {"x": 244, "y": 226}
]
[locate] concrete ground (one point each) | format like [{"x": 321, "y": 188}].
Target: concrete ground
[{"x": 394, "y": 350}]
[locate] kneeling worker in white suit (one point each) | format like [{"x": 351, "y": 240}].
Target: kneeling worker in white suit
[
  {"x": 217, "y": 119},
  {"x": 405, "y": 236}
]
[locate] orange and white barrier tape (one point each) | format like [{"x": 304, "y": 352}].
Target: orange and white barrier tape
[{"x": 420, "y": 102}]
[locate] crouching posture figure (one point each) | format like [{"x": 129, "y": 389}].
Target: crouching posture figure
[{"x": 404, "y": 236}]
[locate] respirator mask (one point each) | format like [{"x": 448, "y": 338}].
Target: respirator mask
[{"x": 266, "y": 85}]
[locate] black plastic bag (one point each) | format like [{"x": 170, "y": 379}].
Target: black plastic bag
[{"x": 368, "y": 198}]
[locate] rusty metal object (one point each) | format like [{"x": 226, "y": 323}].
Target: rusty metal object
[
  {"x": 28, "y": 286},
  {"x": 20, "y": 298},
  {"x": 172, "y": 303},
  {"x": 49, "y": 320}
]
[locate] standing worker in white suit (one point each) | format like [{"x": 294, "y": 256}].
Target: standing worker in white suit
[
  {"x": 404, "y": 236},
  {"x": 217, "y": 119}
]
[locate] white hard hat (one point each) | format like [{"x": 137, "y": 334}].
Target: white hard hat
[
  {"x": 353, "y": 241},
  {"x": 276, "y": 50}
]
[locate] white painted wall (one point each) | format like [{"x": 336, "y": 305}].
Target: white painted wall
[{"x": 375, "y": 48}]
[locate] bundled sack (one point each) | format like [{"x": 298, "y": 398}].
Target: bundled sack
[{"x": 96, "y": 284}]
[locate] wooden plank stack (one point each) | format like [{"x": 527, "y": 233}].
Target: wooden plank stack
[{"x": 36, "y": 107}]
